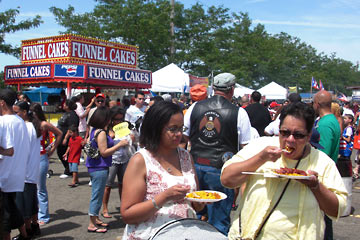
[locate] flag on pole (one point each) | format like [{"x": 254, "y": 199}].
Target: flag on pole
[
  {"x": 321, "y": 87},
  {"x": 314, "y": 83},
  {"x": 342, "y": 97}
]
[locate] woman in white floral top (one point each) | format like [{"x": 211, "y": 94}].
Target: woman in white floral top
[{"x": 159, "y": 175}]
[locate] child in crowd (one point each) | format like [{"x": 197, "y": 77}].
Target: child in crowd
[
  {"x": 346, "y": 141},
  {"x": 73, "y": 152}
]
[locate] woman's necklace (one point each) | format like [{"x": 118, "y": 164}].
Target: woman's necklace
[{"x": 169, "y": 167}]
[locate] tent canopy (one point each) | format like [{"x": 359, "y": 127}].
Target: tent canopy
[
  {"x": 169, "y": 79},
  {"x": 41, "y": 94},
  {"x": 240, "y": 90},
  {"x": 273, "y": 91}
]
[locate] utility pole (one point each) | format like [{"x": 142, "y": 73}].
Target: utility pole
[{"x": 172, "y": 14}]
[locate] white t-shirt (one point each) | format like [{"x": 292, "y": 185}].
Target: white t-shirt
[
  {"x": 33, "y": 163},
  {"x": 6, "y": 142},
  {"x": 15, "y": 165},
  {"x": 243, "y": 125},
  {"x": 273, "y": 127},
  {"x": 82, "y": 121},
  {"x": 133, "y": 113}
]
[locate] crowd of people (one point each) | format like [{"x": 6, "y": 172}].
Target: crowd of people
[{"x": 176, "y": 146}]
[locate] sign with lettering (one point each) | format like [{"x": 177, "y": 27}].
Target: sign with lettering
[
  {"x": 119, "y": 74},
  {"x": 77, "y": 74},
  {"x": 72, "y": 48},
  {"x": 68, "y": 70},
  {"x": 28, "y": 71},
  {"x": 198, "y": 80}
]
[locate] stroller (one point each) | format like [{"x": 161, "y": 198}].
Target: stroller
[{"x": 187, "y": 229}]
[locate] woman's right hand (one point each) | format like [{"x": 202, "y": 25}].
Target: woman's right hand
[
  {"x": 177, "y": 192},
  {"x": 271, "y": 153},
  {"x": 123, "y": 143}
]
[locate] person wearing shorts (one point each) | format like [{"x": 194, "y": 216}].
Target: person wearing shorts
[
  {"x": 73, "y": 153},
  {"x": 27, "y": 203},
  {"x": 13, "y": 218}
]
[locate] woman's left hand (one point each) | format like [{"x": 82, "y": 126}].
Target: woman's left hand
[{"x": 313, "y": 182}]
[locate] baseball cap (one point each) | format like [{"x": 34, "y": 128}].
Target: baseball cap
[
  {"x": 224, "y": 81},
  {"x": 167, "y": 97},
  {"x": 198, "y": 92},
  {"x": 274, "y": 104},
  {"x": 100, "y": 95},
  {"x": 315, "y": 139}
]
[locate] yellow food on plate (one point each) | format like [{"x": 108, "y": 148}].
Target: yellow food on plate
[{"x": 203, "y": 195}]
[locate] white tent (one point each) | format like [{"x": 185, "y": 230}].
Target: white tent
[
  {"x": 240, "y": 91},
  {"x": 273, "y": 91},
  {"x": 169, "y": 79}
]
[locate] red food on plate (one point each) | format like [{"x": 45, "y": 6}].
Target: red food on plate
[{"x": 290, "y": 171}]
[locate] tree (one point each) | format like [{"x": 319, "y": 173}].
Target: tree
[
  {"x": 8, "y": 25},
  {"x": 207, "y": 40}
]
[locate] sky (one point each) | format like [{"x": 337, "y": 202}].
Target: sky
[{"x": 330, "y": 26}]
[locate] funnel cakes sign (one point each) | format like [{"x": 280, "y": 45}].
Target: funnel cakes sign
[{"x": 72, "y": 48}]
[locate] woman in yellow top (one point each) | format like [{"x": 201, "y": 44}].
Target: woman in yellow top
[{"x": 281, "y": 208}]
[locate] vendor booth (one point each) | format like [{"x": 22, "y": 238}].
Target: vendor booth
[
  {"x": 273, "y": 91},
  {"x": 72, "y": 61},
  {"x": 240, "y": 90},
  {"x": 170, "y": 79},
  {"x": 43, "y": 94}
]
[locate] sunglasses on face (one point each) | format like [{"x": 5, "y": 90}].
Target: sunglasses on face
[
  {"x": 100, "y": 101},
  {"x": 296, "y": 135},
  {"x": 176, "y": 129}
]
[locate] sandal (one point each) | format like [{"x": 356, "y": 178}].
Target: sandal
[
  {"x": 102, "y": 224},
  {"x": 106, "y": 215},
  {"x": 41, "y": 223},
  {"x": 97, "y": 230}
]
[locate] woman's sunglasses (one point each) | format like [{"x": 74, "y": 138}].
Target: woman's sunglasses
[{"x": 296, "y": 135}]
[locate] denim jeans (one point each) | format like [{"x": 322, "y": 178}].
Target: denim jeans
[
  {"x": 98, "y": 180},
  {"x": 43, "y": 214},
  {"x": 218, "y": 212}
]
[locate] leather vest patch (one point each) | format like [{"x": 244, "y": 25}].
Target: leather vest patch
[{"x": 210, "y": 128}]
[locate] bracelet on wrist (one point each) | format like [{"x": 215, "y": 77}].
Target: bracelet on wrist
[{"x": 154, "y": 203}]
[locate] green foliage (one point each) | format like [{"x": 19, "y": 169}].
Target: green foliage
[
  {"x": 2, "y": 84},
  {"x": 207, "y": 40},
  {"x": 8, "y": 25}
]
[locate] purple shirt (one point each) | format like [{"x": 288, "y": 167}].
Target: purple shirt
[{"x": 101, "y": 163}]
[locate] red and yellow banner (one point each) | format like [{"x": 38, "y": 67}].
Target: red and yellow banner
[
  {"x": 72, "y": 48},
  {"x": 193, "y": 80}
]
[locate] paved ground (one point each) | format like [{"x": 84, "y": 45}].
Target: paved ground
[{"x": 69, "y": 207}]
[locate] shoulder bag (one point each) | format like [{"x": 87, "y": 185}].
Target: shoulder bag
[{"x": 91, "y": 151}]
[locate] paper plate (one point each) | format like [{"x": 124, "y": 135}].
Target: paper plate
[
  {"x": 222, "y": 195},
  {"x": 290, "y": 176}
]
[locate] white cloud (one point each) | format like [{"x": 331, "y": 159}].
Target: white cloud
[
  {"x": 336, "y": 4},
  {"x": 308, "y": 24},
  {"x": 33, "y": 14}
]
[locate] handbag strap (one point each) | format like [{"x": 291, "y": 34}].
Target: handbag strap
[
  {"x": 97, "y": 134},
  {"x": 276, "y": 204}
]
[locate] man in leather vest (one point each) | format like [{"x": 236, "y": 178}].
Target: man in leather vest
[{"x": 216, "y": 130}]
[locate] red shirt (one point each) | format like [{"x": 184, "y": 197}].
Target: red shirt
[{"x": 75, "y": 149}]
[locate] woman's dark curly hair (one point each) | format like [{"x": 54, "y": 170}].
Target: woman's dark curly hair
[{"x": 301, "y": 111}]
